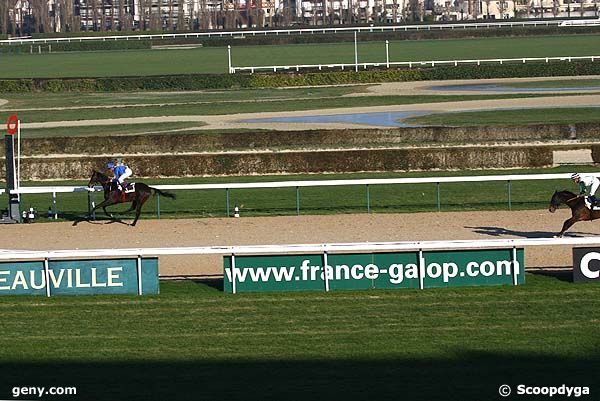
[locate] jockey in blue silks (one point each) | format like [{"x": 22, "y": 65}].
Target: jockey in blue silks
[{"x": 121, "y": 172}]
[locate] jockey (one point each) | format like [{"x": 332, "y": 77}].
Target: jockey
[
  {"x": 587, "y": 182},
  {"x": 121, "y": 172}
]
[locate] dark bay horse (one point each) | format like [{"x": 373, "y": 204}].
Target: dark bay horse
[
  {"x": 578, "y": 209},
  {"x": 112, "y": 196}
]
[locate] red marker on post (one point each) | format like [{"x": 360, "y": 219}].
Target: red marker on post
[{"x": 12, "y": 124}]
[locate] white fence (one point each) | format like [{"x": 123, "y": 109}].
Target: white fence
[
  {"x": 298, "y": 248},
  {"x": 277, "y": 32},
  {"x": 304, "y": 184},
  {"x": 410, "y": 64}
]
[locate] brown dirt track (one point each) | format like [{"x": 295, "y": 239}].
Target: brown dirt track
[{"x": 299, "y": 230}]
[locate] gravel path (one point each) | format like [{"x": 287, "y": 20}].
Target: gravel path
[{"x": 299, "y": 230}]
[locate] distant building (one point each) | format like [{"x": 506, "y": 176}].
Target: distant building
[{"x": 23, "y": 17}]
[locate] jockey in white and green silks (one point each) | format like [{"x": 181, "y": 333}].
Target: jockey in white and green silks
[{"x": 587, "y": 183}]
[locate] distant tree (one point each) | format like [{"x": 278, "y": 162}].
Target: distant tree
[{"x": 4, "y": 17}]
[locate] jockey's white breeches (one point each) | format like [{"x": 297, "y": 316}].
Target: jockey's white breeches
[
  {"x": 125, "y": 175},
  {"x": 594, "y": 187}
]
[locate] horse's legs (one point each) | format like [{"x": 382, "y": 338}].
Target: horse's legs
[
  {"x": 103, "y": 205},
  {"x": 106, "y": 212},
  {"x": 133, "y": 206},
  {"x": 568, "y": 223},
  {"x": 140, "y": 202}
]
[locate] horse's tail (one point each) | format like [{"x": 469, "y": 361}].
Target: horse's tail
[{"x": 163, "y": 193}]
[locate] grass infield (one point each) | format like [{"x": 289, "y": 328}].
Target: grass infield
[
  {"x": 193, "y": 342},
  {"x": 214, "y": 60}
]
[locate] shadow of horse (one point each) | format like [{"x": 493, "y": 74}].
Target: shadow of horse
[{"x": 501, "y": 231}]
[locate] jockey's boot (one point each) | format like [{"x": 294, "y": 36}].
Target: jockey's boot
[{"x": 593, "y": 201}]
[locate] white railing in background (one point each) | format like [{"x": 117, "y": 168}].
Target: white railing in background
[
  {"x": 277, "y": 32},
  {"x": 409, "y": 64},
  {"x": 303, "y": 184}
]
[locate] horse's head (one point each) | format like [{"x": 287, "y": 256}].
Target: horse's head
[
  {"x": 98, "y": 178},
  {"x": 560, "y": 197},
  {"x": 554, "y": 203}
]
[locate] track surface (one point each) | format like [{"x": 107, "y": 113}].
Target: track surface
[{"x": 299, "y": 230}]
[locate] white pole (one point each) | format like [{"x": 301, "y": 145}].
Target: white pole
[
  {"x": 229, "y": 57},
  {"x": 139, "y": 274},
  {"x": 355, "y": 53},
  {"x": 325, "y": 263},
  {"x": 387, "y": 53},
  {"x": 47, "y": 274},
  {"x": 19, "y": 157}
]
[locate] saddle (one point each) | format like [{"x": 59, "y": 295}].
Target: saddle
[
  {"x": 127, "y": 188},
  {"x": 589, "y": 205}
]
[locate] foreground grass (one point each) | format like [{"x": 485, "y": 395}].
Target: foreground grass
[
  {"x": 195, "y": 342},
  {"x": 214, "y": 60},
  {"x": 327, "y": 200},
  {"x": 555, "y": 115}
]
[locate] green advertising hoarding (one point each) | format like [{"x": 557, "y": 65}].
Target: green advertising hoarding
[
  {"x": 80, "y": 277},
  {"x": 373, "y": 270}
]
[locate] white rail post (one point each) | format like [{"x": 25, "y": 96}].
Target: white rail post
[
  {"x": 355, "y": 53},
  {"x": 139, "y": 274},
  {"x": 233, "y": 287},
  {"x": 47, "y": 274},
  {"x": 515, "y": 270},
  {"x": 421, "y": 270},
  {"x": 325, "y": 276},
  {"x": 387, "y": 53},
  {"x": 229, "y": 58},
  {"x": 54, "y": 205}
]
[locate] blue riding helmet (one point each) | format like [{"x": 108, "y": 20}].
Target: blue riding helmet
[{"x": 110, "y": 165}]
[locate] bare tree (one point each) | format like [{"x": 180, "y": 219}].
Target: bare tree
[
  {"x": 3, "y": 16},
  {"x": 555, "y": 7}
]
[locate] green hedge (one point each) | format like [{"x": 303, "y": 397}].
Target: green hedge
[
  {"x": 272, "y": 80},
  {"x": 120, "y": 84},
  {"x": 78, "y": 46}
]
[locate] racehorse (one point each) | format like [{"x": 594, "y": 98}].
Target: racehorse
[
  {"x": 579, "y": 210},
  {"x": 112, "y": 196}
]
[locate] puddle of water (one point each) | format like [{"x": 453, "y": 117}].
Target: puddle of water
[
  {"x": 496, "y": 88},
  {"x": 385, "y": 119}
]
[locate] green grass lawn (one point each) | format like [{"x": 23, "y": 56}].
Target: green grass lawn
[
  {"x": 562, "y": 115},
  {"x": 45, "y": 100},
  {"x": 193, "y": 342},
  {"x": 214, "y": 60},
  {"x": 245, "y": 106},
  {"x": 327, "y": 200},
  {"x": 113, "y": 130}
]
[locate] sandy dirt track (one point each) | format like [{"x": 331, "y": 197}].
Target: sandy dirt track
[{"x": 298, "y": 230}]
